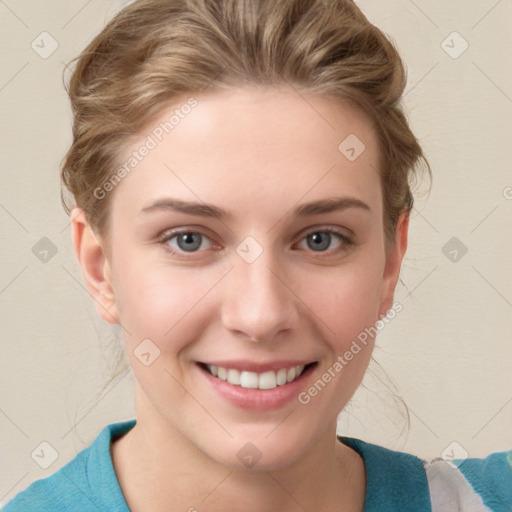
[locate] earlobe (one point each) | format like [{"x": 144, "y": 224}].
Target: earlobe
[
  {"x": 393, "y": 263},
  {"x": 94, "y": 265}
]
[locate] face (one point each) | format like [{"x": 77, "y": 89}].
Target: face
[{"x": 257, "y": 279}]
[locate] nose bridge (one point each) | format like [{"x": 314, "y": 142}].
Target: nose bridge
[{"x": 259, "y": 303}]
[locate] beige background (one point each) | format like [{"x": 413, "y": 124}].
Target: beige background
[{"x": 449, "y": 351}]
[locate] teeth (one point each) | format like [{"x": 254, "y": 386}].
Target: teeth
[
  {"x": 252, "y": 380},
  {"x": 281, "y": 376},
  {"x": 233, "y": 377},
  {"x": 248, "y": 380},
  {"x": 268, "y": 380}
]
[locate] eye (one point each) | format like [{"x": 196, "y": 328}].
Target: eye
[
  {"x": 189, "y": 241},
  {"x": 181, "y": 241},
  {"x": 321, "y": 239}
]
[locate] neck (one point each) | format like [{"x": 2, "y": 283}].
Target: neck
[{"x": 158, "y": 468}]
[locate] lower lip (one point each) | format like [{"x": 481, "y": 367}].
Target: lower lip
[{"x": 258, "y": 399}]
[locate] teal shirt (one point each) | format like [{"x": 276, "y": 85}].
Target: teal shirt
[{"x": 396, "y": 482}]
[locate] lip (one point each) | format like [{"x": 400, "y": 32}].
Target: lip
[{"x": 256, "y": 399}]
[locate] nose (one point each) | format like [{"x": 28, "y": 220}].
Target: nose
[{"x": 258, "y": 301}]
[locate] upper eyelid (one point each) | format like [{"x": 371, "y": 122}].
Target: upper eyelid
[{"x": 171, "y": 233}]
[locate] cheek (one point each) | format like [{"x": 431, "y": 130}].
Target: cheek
[
  {"x": 173, "y": 305},
  {"x": 346, "y": 302},
  {"x": 167, "y": 305}
]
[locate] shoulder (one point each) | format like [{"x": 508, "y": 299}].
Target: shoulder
[
  {"x": 439, "y": 485},
  {"x": 87, "y": 482},
  {"x": 473, "y": 484},
  {"x": 394, "y": 480},
  {"x": 57, "y": 492}
]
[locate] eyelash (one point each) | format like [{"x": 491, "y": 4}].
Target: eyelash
[{"x": 165, "y": 237}]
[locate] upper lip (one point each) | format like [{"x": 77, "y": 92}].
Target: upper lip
[{"x": 261, "y": 367}]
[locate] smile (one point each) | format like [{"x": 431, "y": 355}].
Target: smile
[
  {"x": 257, "y": 385},
  {"x": 253, "y": 380}
]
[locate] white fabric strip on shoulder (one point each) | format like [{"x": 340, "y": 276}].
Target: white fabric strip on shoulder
[{"x": 449, "y": 489}]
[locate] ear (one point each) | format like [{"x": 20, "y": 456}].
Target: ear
[
  {"x": 393, "y": 263},
  {"x": 95, "y": 266}
]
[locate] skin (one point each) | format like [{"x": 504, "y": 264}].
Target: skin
[{"x": 257, "y": 153}]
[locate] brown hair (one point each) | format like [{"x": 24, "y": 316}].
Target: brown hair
[{"x": 154, "y": 50}]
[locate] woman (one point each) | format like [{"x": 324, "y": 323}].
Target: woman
[{"x": 240, "y": 175}]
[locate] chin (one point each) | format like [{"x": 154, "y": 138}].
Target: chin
[{"x": 258, "y": 453}]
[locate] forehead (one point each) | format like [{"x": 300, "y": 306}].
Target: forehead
[{"x": 253, "y": 145}]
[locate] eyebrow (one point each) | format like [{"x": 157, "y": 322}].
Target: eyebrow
[{"x": 208, "y": 210}]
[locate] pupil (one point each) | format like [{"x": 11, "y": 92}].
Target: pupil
[
  {"x": 317, "y": 239},
  {"x": 186, "y": 241}
]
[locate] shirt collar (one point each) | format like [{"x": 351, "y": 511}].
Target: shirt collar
[{"x": 395, "y": 480}]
